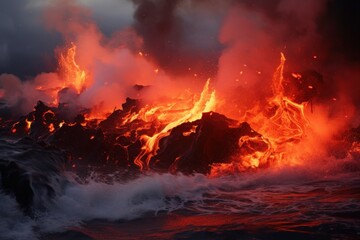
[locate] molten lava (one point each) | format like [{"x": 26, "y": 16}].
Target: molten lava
[
  {"x": 180, "y": 133},
  {"x": 287, "y": 124},
  {"x": 205, "y": 103},
  {"x": 283, "y": 125}
]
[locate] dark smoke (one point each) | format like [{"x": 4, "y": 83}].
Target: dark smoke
[
  {"x": 174, "y": 35},
  {"x": 176, "y": 42},
  {"x": 164, "y": 30},
  {"x": 340, "y": 26}
]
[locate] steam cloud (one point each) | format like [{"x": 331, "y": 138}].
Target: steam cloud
[{"x": 209, "y": 38}]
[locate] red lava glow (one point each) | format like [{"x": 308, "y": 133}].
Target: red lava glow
[
  {"x": 287, "y": 135},
  {"x": 95, "y": 75}
]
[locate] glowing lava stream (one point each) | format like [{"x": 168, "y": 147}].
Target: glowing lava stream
[
  {"x": 288, "y": 125},
  {"x": 206, "y": 103},
  {"x": 282, "y": 131}
]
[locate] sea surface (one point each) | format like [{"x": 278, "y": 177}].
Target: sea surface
[{"x": 313, "y": 201}]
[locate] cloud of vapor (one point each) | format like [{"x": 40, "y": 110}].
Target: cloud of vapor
[
  {"x": 113, "y": 66},
  {"x": 255, "y": 32},
  {"x": 254, "y": 36},
  {"x": 181, "y": 36},
  {"x": 182, "y": 43}
]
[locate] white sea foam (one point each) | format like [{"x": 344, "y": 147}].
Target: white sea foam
[
  {"x": 13, "y": 224},
  {"x": 152, "y": 194}
]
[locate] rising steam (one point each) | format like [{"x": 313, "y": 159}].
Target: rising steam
[{"x": 174, "y": 46}]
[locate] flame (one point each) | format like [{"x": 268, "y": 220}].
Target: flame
[
  {"x": 205, "y": 103},
  {"x": 73, "y": 75},
  {"x": 281, "y": 131}
]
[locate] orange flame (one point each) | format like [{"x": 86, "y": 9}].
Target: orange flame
[{"x": 74, "y": 76}]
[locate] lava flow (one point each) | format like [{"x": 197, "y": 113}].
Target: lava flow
[{"x": 177, "y": 134}]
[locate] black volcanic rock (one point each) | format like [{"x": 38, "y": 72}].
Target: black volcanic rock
[
  {"x": 194, "y": 146},
  {"x": 116, "y": 118},
  {"x": 43, "y": 116},
  {"x": 81, "y": 142}
]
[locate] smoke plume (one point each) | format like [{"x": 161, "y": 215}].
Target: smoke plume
[{"x": 175, "y": 45}]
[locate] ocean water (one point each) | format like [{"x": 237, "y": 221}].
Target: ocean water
[{"x": 304, "y": 202}]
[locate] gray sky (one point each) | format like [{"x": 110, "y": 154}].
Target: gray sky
[{"x": 27, "y": 47}]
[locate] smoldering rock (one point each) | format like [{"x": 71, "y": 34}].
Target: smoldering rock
[
  {"x": 195, "y": 146},
  {"x": 122, "y": 136},
  {"x": 82, "y": 143},
  {"x": 37, "y": 124},
  {"x": 117, "y": 117},
  {"x": 43, "y": 116}
]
